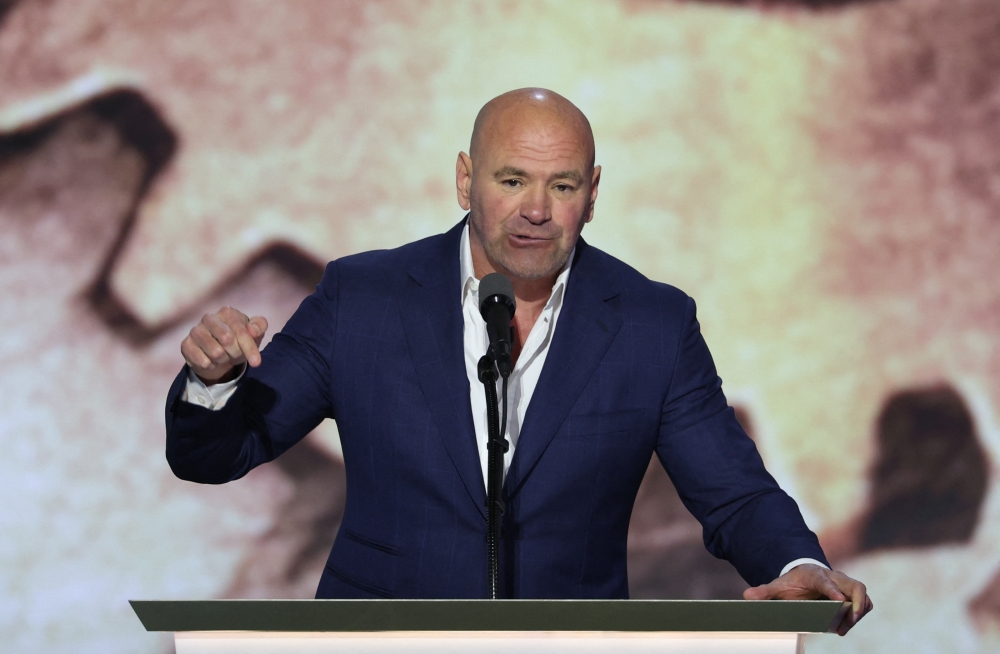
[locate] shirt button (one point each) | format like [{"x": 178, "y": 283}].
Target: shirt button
[{"x": 201, "y": 400}]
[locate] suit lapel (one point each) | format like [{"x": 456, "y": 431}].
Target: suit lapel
[
  {"x": 431, "y": 312},
  {"x": 586, "y": 328}
]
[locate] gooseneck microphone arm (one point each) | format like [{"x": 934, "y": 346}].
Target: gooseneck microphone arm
[{"x": 496, "y": 304}]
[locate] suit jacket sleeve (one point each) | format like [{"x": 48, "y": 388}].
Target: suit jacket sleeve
[
  {"x": 746, "y": 518},
  {"x": 275, "y": 405}
]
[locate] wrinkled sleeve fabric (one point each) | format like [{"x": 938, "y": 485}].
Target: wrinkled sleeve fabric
[
  {"x": 210, "y": 396},
  {"x": 746, "y": 518},
  {"x": 274, "y": 405}
]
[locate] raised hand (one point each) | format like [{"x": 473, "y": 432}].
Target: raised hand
[
  {"x": 808, "y": 581},
  {"x": 221, "y": 342}
]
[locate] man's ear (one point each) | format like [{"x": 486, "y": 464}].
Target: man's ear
[
  {"x": 594, "y": 182},
  {"x": 463, "y": 180}
]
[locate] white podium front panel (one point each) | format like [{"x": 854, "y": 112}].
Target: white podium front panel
[{"x": 452, "y": 642}]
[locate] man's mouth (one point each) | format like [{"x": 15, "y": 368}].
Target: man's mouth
[{"x": 525, "y": 240}]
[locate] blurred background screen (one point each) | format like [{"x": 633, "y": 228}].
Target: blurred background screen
[{"x": 823, "y": 178}]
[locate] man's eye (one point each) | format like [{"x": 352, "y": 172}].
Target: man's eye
[
  {"x": 511, "y": 182},
  {"x": 563, "y": 188}
]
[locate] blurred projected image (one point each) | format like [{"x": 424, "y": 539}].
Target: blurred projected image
[{"x": 822, "y": 177}]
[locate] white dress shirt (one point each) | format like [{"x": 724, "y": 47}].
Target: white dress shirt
[
  {"x": 523, "y": 379},
  {"x": 520, "y": 385},
  {"x": 212, "y": 396}
]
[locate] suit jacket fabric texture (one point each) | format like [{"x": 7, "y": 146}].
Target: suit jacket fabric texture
[{"x": 378, "y": 347}]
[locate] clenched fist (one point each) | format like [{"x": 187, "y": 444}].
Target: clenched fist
[{"x": 221, "y": 342}]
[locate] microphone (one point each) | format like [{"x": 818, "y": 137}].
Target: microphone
[{"x": 496, "y": 304}]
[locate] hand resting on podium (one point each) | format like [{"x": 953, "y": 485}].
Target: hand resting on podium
[{"x": 809, "y": 582}]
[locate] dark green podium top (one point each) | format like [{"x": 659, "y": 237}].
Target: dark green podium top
[{"x": 490, "y": 615}]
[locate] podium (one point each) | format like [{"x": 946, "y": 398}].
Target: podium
[{"x": 489, "y": 626}]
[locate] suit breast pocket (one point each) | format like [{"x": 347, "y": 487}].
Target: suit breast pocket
[{"x": 601, "y": 424}]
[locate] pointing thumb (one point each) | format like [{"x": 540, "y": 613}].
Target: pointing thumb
[{"x": 257, "y": 326}]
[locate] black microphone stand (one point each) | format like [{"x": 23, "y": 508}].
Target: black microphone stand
[{"x": 496, "y": 446}]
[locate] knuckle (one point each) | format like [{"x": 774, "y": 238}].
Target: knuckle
[{"x": 230, "y": 313}]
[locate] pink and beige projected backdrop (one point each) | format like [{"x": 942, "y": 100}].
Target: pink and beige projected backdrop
[{"x": 823, "y": 177}]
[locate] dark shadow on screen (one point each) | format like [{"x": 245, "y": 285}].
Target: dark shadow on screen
[
  {"x": 142, "y": 128},
  {"x": 985, "y": 606},
  {"x": 286, "y": 562},
  {"x": 305, "y": 272},
  {"x": 929, "y": 477},
  {"x": 809, "y": 4},
  {"x": 5, "y": 7},
  {"x": 667, "y": 558}
]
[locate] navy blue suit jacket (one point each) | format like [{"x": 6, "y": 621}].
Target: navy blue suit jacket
[{"x": 379, "y": 348}]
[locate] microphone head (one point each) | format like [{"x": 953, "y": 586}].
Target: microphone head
[{"x": 493, "y": 289}]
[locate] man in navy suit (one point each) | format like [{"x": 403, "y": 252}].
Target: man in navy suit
[{"x": 609, "y": 368}]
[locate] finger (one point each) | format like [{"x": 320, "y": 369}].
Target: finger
[
  {"x": 762, "y": 592},
  {"x": 248, "y": 344},
  {"x": 826, "y": 587},
  {"x": 257, "y": 328},
  {"x": 194, "y": 356},
  {"x": 860, "y": 602},
  {"x": 249, "y": 332},
  {"x": 846, "y": 622},
  {"x": 224, "y": 332},
  {"x": 232, "y": 316},
  {"x": 845, "y": 625},
  {"x": 858, "y": 594},
  {"x": 204, "y": 339}
]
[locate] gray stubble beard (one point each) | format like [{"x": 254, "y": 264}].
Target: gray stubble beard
[{"x": 495, "y": 253}]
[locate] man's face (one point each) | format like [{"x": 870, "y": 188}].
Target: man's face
[{"x": 532, "y": 191}]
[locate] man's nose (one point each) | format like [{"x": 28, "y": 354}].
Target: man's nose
[{"x": 535, "y": 207}]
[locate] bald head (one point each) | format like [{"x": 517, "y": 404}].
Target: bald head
[
  {"x": 529, "y": 184},
  {"x": 531, "y": 106}
]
